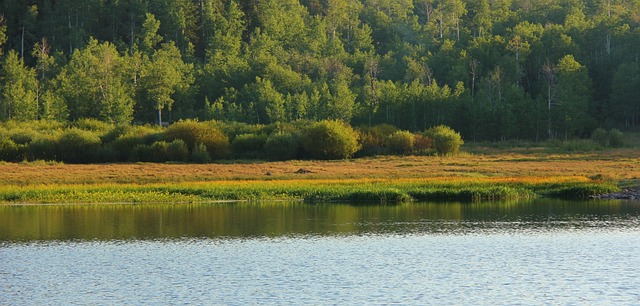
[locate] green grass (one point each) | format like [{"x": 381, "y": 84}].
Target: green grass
[{"x": 351, "y": 191}]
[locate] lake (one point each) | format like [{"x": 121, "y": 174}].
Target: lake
[{"x": 521, "y": 252}]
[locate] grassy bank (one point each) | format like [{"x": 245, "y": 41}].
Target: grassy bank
[
  {"x": 349, "y": 190},
  {"x": 373, "y": 180}
]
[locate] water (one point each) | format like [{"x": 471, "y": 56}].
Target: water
[{"x": 541, "y": 252}]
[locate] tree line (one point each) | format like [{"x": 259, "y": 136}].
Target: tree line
[{"x": 490, "y": 69}]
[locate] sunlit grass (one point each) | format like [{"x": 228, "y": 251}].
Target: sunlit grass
[
  {"x": 383, "y": 179},
  {"x": 362, "y": 190}
]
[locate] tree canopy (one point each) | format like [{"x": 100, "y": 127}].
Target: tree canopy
[{"x": 501, "y": 69}]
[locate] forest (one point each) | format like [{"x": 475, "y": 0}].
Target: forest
[{"x": 490, "y": 69}]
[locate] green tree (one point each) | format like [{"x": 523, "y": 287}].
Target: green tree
[
  {"x": 573, "y": 99},
  {"x": 163, "y": 76},
  {"x": 95, "y": 84},
  {"x": 19, "y": 89},
  {"x": 625, "y": 90}
]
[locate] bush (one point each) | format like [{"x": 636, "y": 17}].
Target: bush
[
  {"x": 446, "y": 141},
  {"x": 143, "y": 153},
  {"x": 330, "y": 139},
  {"x": 616, "y": 138},
  {"x": 23, "y": 135},
  {"x": 177, "y": 150},
  {"x": 400, "y": 142},
  {"x": 126, "y": 138},
  {"x": 281, "y": 146},
  {"x": 9, "y": 150},
  {"x": 78, "y": 146},
  {"x": 200, "y": 154},
  {"x": 193, "y": 132},
  {"x": 422, "y": 144},
  {"x": 601, "y": 137},
  {"x": 372, "y": 139},
  {"x": 43, "y": 148},
  {"x": 249, "y": 146},
  {"x": 93, "y": 125}
]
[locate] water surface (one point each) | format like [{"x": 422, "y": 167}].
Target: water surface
[{"x": 540, "y": 252}]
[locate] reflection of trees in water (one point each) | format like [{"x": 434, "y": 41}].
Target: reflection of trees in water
[{"x": 274, "y": 219}]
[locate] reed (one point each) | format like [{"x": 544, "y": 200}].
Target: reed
[{"x": 362, "y": 190}]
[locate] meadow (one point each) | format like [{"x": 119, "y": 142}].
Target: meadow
[{"x": 490, "y": 175}]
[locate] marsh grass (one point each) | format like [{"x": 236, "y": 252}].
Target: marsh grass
[
  {"x": 385, "y": 179},
  {"x": 347, "y": 190}
]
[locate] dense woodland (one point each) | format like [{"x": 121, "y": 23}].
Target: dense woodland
[{"x": 490, "y": 69}]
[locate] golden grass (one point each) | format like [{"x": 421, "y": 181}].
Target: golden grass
[
  {"x": 611, "y": 165},
  {"x": 387, "y": 177}
]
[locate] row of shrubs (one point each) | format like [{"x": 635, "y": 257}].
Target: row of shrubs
[{"x": 91, "y": 141}]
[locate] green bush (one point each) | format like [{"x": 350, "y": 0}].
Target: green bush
[
  {"x": 281, "y": 146},
  {"x": 446, "y": 141},
  {"x": 400, "y": 142},
  {"x": 93, "y": 125},
  {"x": 249, "y": 145},
  {"x": 616, "y": 138},
  {"x": 178, "y": 151},
  {"x": 600, "y": 136},
  {"x": 200, "y": 155},
  {"x": 78, "y": 146},
  {"x": 144, "y": 153},
  {"x": 193, "y": 132},
  {"x": 9, "y": 150},
  {"x": 24, "y": 135},
  {"x": 330, "y": 139},
  {"x": 43, "y": 148},
  {"x": 126, "y": 138}
]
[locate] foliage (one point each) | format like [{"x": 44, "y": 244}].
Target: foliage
[
  {"x": 445, "y": 140},
  {"x": 613, "y": 138},
  {"x": 78, "y": 146},
  {"x": 616, "y": 138},
  {"x": 281, "y": 146},
  {"x": 492, "y": 70},
  {"x": 194, "y": 132},
  {"x": 249, "y": 145},
  {"x": 401, "y": 142},
  {"x": 330, "y": 139},
  {"x": 601, "y": 137}
]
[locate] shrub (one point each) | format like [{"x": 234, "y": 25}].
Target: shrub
[
  {"x": 177, "y": 150},
  {"x": 372, "y": 139},
  {"x": 616, "y": 138},
  {"x": 281, "y": 146},
  {"x": 94, "y": 125},
  {"x": 143, "y": 153},
  {"x": 422, "y": 144},
  {"x": 9, "y": 150},
  {"x": 43, "y": 148},
  {"x": 200, "y": 154},
  {"x": 193, "y": 132},
  {"x": 249, "y": 145},
  {"x": 78, "y": 146},
  {"x": 446, "y": 141},
  {"x": 129, "y": 137},
  {"x": 330, "y": 139},
  {"x": 23, "y": 135},
  {"x": 600, "y": 136},
  {"x": 400, "y": 142}
]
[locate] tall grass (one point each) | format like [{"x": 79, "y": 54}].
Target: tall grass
[{"x": 350, "y": 190}]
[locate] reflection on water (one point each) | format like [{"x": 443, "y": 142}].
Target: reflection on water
[
  {"x": 108, "y": 222},
  {"x": 527, "y": 253}
]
